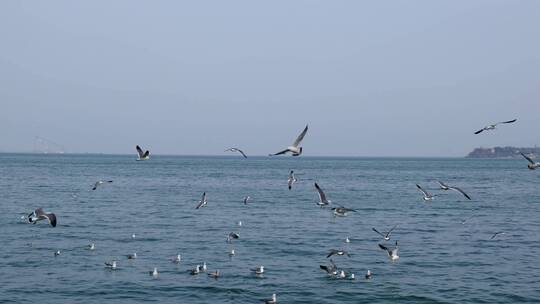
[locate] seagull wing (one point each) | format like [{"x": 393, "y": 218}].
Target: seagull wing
[
  {"x": 146, "y": 154},
  {"x": 322, "y": 196},
  {"x": 95, "y": 186},
  {"x": 300, "y": 137},
  {"x": 331, "y": 253},
  {"x": 443, "y": 185},
  {"x": 384, "y": 248},
  {"x": 479, "y": 131},
  {"x": 139, "y": 151},
  {"x": 391, "y": 230},
  {"x": 39, "y": 212},
  {"x": 51, "y": 217},
  {"x": 506, "y": 122},
  {"x": 242, "y": 152},
  {"x": 527, "y": 158},
  {"x": 377, "y": 232},
  {"x": 423, "y": 191},
  {"x": 460, "y": 191},
  {"x": 281, "y": 152}
]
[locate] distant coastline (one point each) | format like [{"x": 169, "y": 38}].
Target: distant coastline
[{"x": 502, "y": 152}]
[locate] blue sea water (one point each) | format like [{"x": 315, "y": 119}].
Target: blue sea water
[{"x": 441, "y": 259}]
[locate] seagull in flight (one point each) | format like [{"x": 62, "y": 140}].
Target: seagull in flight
[
  {"x": 427, "y": 196},
  {"x": 231, "y": 236},
  {"x": 294, "y": 148},
  {"x": 392, "y": 253},
  {"x": 386, "y": 236},
  {"x": 142, "y": 155},
  {"x": 492, "y": 127},
  {"x": 445, "y": 187},
  {"x": 202, "y": 202},
  {"x": 99, "y": 183},
  {"x": 291, "y": 180},
  {"x": 337, "y": 252},
  {"x": 342, "y": 211},
  {"x": 496, "y": 234},
  {"x": 39, "y": 215},
  {"x": 331, "y": 270},
  {"x": 532, "y": 164},
  {"x": 236, "y": 150},
  {"x": 323, "y": 201}
]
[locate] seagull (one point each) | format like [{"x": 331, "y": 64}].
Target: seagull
[
  {"x": 342, "y": 211},
  {"x": 294, "y": 149},
  {"x": 271, "y": 301},
  {"x": 204, "y": 268},
  {"x": 341, "y": 274},
  {"x": 99, "y": 183},
  {"x": 133, "y": 236},
  {"x": 291, "y": 180},
  {"x": 142, "y": 155},
  {"x": 177, "y": 259},
  {"x": 239, "y": 223},
  {"x": 323, "y": 201},
  {"x": 427, "y": 196},
  {"x": 347, "y": 240},
  {"x": 154, "y": 273},
  {"x": 331, "y": 270},
  {"x": 232, "y": 235},
  {"x": 351, "y": 276},
  {"x": 532, "y": 164},
  {"x": 492, "y": 127},
  {"x": 496, "y": 234},
  {"x": 387, "y": 235},
  {"x": 445, "y": 187},
  {"x": 57, "y": 253},
  {"x": 195, "y": 270},
  {"x": 392, "y": 253},
  {"x": 39, "y": 215},
  {"x": 368, "y": 275},
  {"x": 259, "y": 270},
  {"x": 232, "y": 253},
  {"x": 237, "y": 150},
  {"x": 92, "y": 246},
  {"x": 337, "y": 252},
  {"x": 246, "y": 199},
  {"x": 202, "y": 202},
  {"x": 111, "y": 265},
  {"x": 214, "y": 274},
  {"x": 132, "y": 256}
]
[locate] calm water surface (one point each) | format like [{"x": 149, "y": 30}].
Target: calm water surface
[{"x": 441, "y": 259}]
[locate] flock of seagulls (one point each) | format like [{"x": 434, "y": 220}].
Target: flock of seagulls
[{"x": 339, "y": 211}]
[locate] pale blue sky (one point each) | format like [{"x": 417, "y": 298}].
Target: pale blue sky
[{"x": 388, "y": 78}]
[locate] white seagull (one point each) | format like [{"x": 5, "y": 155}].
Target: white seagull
[
  {"x": 532, "y": 164},
  {"x": 236, "y": 150},
  {"x": 342, "y": 211},
  {"x": 259, "y": 270},
  {"x": 92, "y": 246},
  {"x": 291, "y": 180},
  {"x": 271, "y": 301},
  {"x": 337, "y": 252},
  {"x": 323, "y": 201},
  {"x": 142, "y": 155},
  {"x": 202, "y": 202},
  {"x": 111, "y": 265},
  {"x": 294, "y": 148},
  {"x": 427, "y": 196},
  {"x": 445, "y": 187},
  {"x": 368, "y": 275},
  {"x": 99, "y": 183},
  {"x": 386, "y": 236},
  {"x": 154, "y": 273},
  {"x": 392, "y": 253},
  {"x": 177, "y": 259},
  {"x": 39, "y": 215},
  {"x": 496, "y": 234},
  {"x": 246, "y": 199},
  {"x": 492, "y": 127}
]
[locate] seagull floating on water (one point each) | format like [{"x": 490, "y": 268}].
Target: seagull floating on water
[
  {"x": 239, "y": 223},
  {"x": 273, "y": 300},
  {"x": 132, "y": 256},
  {"x": 154, "y": 273},
  {"x": 368, "y": 275},
  {"x": 204, "y": 268},
  {"x": 195, "y": 270},
  {"x": 323, "y": 201},
  {"x": 492, "y": 127},
  {"x": 294, "y": 149},
  {"x": 214, "y": 274},
  {"x": 342, "y": 211},
  {"x": 259, "y": 270},
  {"x": 133, "y": 236},
  {"x": 337, "y": 252},
  {"x": 57, "y": 253},
  {"x": 532, "y": 164},
  {"x": 246, "y": 199},
  {"x": 202, "y": 202},
  {"x": 291, "y": 180},
  {"x": 347, "y": 240},
  {"x": 92, "y": 246},
  {"x": 427, "y": 196},
  {"x": 142, "y": 155},
  {"x": 232, "y": 253},
  {"x": 177, "y": 259},
  {"x": 232, "y": 236},
  {"x": 392, "y": 253},
  {"x": 111, "y": 265},
  {"x": 445, "y": 187},
  {"x": 99, "y": 183},
  {"x": 237, "y": 150},
  {"x": 387, "y": 235},
  {"x": 39, "y": 215}
]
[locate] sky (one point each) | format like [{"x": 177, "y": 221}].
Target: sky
[{"x": 371, "y": 78}]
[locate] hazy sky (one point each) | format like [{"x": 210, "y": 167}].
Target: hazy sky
[{"x": 388, "y": 78}]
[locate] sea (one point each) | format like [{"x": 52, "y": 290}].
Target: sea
[{"x": 447, "y": 253}]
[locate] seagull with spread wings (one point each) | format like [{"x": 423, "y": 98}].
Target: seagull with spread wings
[
  {"x": 294, "y": 149},
  {"x": 492, "y": 127},
  {"x": 236, "y": 150},
  {"x": 445, "y": 187},
  {"x": 532, "y": 164},
  {"x": 143, "y": 155}
]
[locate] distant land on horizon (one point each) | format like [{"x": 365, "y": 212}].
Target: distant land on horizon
[{"x": 502, "y": 152}]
